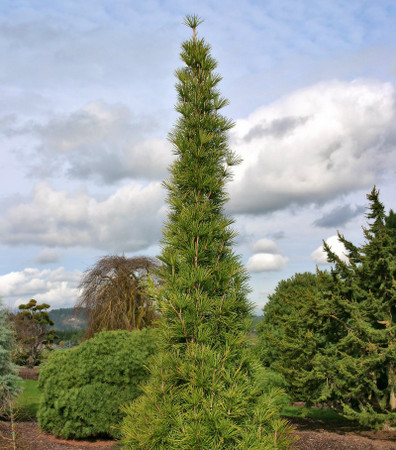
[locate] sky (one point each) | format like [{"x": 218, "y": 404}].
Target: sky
[{"x": 87, "y": 101}]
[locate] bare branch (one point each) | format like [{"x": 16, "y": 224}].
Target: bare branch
[{"x": 112, "y": 293}]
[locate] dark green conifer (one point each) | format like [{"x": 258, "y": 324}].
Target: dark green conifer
[
  {"x": 292, "y": 334},
  {"x": 203, "y": 393},
  {"x": 9, "y": 381},
  {"x": 390, "y": 222},
  {"x": 334, "y": 341},
  {"x": 363, "y": 302}
]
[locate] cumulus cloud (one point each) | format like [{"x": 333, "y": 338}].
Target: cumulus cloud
[
  {"x": 56, "y": 287},
  {"x": 266, "y": 262},
  {"x": 265, "y": 245},
  {"x": 313, "y": 145},
  {"x": 47, "y": 256},
  {"x": 127, "y": 220},
  {"x": 319, "y": 256},
  {"x": 339, "y": 215},
  {"x": 266, "y": 257},
  {"x": 101, "y": 141}
]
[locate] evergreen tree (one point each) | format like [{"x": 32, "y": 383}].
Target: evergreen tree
[
  {"x": 203, "y": 392},
  {"x": 292, "y": 334},
  {"x": 390, "y": 222},
  {"x": 9, "y": 381},
  {"x": 333, "y": 336},
  {"x": 33, "y": 335},
  {"x": 363, "y": 301}
]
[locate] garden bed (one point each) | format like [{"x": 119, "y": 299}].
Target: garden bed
[{"x": 313, "y": 435}]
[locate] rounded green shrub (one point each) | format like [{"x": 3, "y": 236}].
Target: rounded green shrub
[{"x": 84, "y": 387}]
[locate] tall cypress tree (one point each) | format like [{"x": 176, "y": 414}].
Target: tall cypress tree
[{"x": 203, "y": 392}]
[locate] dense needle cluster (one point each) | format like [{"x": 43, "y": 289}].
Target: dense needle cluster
[
  {"x": 332, "y": 335},
  {"x": 203, "y": 391}
]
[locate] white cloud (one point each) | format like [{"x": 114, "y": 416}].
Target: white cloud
[
  {"x": 128, "y": 220},
  {"x": 265, "y": 262},
  {"x": 266, "y": 258},
  {"x": 319, "y": 256},
  {"x": 313, "y": 145},
  {"x": 56, "y": 287},
  {"x": 102, "y": 141},
  {"x": 265, "y": 245}
]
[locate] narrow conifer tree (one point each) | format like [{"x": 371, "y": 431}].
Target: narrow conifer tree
[
  {"x": 203, "y": 392},
  {"x": 9, "y": 381}
]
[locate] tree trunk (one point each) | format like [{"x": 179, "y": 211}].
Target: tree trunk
[{"x": 391, "y": 384}]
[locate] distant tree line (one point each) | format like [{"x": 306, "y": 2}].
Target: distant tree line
[{"x": 68, "y": 319}]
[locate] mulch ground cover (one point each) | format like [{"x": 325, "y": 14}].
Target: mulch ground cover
[
  {"x": 313, "y": 435},
  {"x": 30, "y": 437},
  {"x": 317, "y": 434},
  {"x": 29, "y": 373}
]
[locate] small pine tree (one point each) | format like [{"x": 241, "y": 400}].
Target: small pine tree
[
  {"x": 32, "y": 332},
  {"x": 9, "y": 381},
  {"x": 203, "y": 392}
]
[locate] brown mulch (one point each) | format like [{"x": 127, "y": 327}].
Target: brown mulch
[
  {"x": 316, "y": 434},
  {"x": 28, "y": 373},
  {"x": 30, "y": 437},
  {"x": 313, "y": 435}
]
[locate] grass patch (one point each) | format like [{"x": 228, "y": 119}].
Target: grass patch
[
  {"x": 27, "y": 403},
  {"x": 312, "y": 413}
]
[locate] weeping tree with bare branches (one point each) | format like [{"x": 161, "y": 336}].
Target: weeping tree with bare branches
[{"x": 112, "y": 293}]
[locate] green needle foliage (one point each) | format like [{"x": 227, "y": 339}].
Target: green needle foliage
[
  {"x": 203, "y": 392},
  {"x": 292, "y": 334},
  {"x": 9, "y": 381},
  {"x": 390, "y": 222},
  {"x": 83, "y": 387},
  {"x": 363, "y": 302},
  {"x": 332, "y": 336}
]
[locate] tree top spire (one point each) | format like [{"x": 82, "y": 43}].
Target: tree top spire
[{"x": 192, "y": 21}]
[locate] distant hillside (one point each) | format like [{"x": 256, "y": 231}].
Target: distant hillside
[
  {"x": 255, "y": 321},
  {"x": 66, "y": 319}
]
